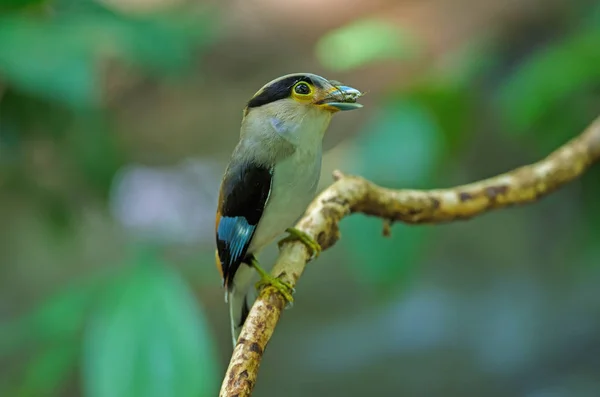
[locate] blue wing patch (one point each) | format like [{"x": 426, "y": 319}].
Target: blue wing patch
[
  {"x": 236, "y": 233},
  {"x": 244, "y": 194}
]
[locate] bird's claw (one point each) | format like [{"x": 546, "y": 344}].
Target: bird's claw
[
  {"x": 284, "y": 288},
  {"x": 296, "y": 234},
  {"x": 266, "y": 280}
]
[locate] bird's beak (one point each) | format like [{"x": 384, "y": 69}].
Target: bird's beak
[{"x": 341, "y": 97}]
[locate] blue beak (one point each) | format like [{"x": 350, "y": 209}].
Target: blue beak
[{"x": 342, "y": 97}]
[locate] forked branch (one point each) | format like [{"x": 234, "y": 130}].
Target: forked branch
[{"x": 351, "y": 194}]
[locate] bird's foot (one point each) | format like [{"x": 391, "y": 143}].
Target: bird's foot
[
  {"x": 266, "y": 280},
  {"x": 296, "y": 234}
]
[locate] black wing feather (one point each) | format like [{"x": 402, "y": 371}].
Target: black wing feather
[{"x": 244, "y": 193}]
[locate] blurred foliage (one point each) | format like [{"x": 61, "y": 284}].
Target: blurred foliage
[
  {"x": 58, "y": 58},
  {"x": 143, "y": 335},
  {"x": 363, "y": 42},
  {"x": 434, "y": 116},
  {"x": 138, "y": 331},
  {"x": 52, "y": 72},
  {"x": 149, "y": 338},
  {"x": 47, "y": 333},
  {"x": 392, "y": 160},
  {"x": 142, "y": 331},
  {"x": 551, "y": 94}
]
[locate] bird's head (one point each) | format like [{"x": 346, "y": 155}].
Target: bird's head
[{"x": 298, "y": 106}]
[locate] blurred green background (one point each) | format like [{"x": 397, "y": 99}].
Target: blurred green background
[{"x": 117, "y": 119}]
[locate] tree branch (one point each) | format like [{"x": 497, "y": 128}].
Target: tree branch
[{"x": 351, "y": 194}]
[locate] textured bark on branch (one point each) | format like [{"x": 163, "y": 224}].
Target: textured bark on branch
[{"x": 351, "y": 194}]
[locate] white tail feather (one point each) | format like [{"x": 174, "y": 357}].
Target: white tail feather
[{"x": 240, "y": 300}]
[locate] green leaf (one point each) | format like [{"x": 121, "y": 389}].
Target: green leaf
[
  {"x": 57, "y": 320},
  {"x": 447, "y": 93},
  {"x": 48, "y": 371},
  {"x": 400, "y": 146},
  {"x": 450, "y": 107},
  {"x": 14, "y": 5},
  {"x": 150, "y": 339},
  {"x": 45, "y": 341},
  {"x": 165, "y": 44},
  {"x": 542, "y": 88},
  {"x": 363, "y": 42},
  {"x": 57, "y": 58},
  {"x": 47, "y": 59}
]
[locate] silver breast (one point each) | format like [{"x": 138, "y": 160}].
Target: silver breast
[{"x": 294, "y": 186}]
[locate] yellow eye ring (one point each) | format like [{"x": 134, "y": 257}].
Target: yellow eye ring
[{"x": 302, "y": 90}]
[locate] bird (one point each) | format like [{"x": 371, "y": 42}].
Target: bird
[{"x": 271, "y": 178}]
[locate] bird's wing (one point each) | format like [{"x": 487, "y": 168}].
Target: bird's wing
[{"x": 242, "y": 200}]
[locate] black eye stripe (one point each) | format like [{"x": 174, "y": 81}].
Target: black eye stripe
[{"x": 279, "y": 90}]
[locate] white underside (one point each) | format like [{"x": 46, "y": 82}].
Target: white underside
[
  {"x": 267, "y": 133},
  {"x": 295, "y": 182}
]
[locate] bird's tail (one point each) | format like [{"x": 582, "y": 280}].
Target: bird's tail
[{"x": 240, "y": 298}]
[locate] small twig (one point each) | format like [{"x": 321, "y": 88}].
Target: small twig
[
  {"x": 387, "y": 228},
  {"x": 351, "y": 194}
]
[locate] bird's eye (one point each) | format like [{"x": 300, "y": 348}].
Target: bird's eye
[{"x": 302, "y": 89}]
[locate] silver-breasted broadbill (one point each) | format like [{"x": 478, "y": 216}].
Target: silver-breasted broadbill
[{"x": 271, "y": 178}]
